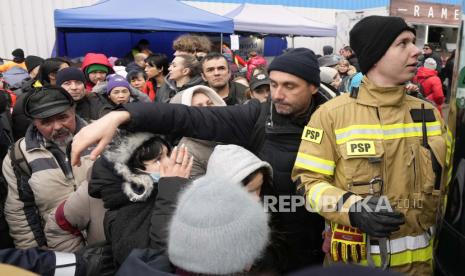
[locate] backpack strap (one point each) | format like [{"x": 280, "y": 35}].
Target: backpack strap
[{"x": 23, "y": 173}]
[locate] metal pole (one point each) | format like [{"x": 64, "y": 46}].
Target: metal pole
[
  {"x": 221, "y": 47},
  {"x": 426, "y": 33}
]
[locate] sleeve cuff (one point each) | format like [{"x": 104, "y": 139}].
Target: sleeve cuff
[{"x": 65, "y": 264}]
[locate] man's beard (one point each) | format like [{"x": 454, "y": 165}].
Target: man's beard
[{"x": 62, "y": 141}]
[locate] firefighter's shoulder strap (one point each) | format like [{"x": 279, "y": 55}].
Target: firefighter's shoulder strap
[{"x": 23, "y": 173}]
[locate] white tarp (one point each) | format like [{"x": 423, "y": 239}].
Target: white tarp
[{"x": 277, "y": 19}]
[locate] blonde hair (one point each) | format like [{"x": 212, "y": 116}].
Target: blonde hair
[{"x": 140, "y": 57}]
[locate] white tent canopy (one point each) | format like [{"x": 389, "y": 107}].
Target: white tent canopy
[{"x": 277, "y": 19}]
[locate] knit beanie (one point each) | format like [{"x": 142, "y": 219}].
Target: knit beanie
[
  {"x": 300, "y": 62},
  {"x": 32, "y": 62},
  {"x": 115, "y": 80},
  {"x": 430, "y": 63},
  {"x": 70, "y": 73},
  {"x": 18, "y": 53},
  {"x": 96, "y": 67},
  {"x": 372, "y": 36},
  {"x": 327, "y": 74},
  {"x": 218, "y": 228}
]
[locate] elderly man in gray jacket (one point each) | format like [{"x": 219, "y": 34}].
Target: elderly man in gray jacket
[{"x": 37, "y": 168}]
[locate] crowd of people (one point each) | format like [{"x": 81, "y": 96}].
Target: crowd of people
[{"x": 141, "y": 165}]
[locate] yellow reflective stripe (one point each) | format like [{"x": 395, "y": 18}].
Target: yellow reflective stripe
[
  {"x": 406, "y": 257},
  {"x": 315, "y": 164},
  {"x": 315, "y": 192},
  {"x": 449, "y": 140},
  {"x": 386, "y": 132}
]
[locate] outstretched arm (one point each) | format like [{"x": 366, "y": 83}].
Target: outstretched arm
[{"x": 230, "y": 124}]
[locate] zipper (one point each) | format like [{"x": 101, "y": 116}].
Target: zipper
[{"x": 383, "y": 165}]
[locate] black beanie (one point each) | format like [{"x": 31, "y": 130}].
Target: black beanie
[
  {"x": 372, "y": 36},
  {"x": 300, "y": 62},
  {"x": 18, "y": 53},
  {"x": 70, "y": 73},
  {"x": 32, "y": 62}
]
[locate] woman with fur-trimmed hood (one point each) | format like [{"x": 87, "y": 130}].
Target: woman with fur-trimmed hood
[
  {"x": 204, "y": 96},
  {"x": 136, "y": 180}
]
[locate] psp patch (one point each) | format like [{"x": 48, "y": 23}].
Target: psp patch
[
  {"x": 312, "y": 135},
  {"x": 361, "y": 148}
]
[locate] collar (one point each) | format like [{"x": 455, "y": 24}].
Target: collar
[{"x": 372, "y": 95}]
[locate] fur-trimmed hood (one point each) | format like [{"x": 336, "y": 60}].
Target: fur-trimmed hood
[{"x": 119, "y": 154}]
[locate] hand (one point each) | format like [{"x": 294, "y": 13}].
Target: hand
[
  {"x": 179, "y": 164},
  {"x": 412, "y": 88},
  {"x": 375, "y": 217},
  {"x": 99, "y": 132}
]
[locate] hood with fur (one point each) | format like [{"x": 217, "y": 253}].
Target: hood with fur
[
  {"x": 185, "y": 97},
  {"x": 119, "y": 154}
]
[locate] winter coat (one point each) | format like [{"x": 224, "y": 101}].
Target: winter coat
[
  {"x": 169, "y": 88},
  {"x": 93, "y": 58},
  {"x": 436, "y": 58},
  {"x": 353, "y": 60},
  {"x": 51, "y": 182},
  {"x": 92, "y": 107},
  {"x": 20, "y": 121},
  {"x": 15, "y": 76},
  {"x": 237, "y": 94},
  {"x": 7, "y": 66},
  {"x": 75, "y": 222},
  {"x": 432, "y": 86},
  {"x": 134, "y": 219},
  {"x": 199, "y": 149},
  {"x": 272, "y": 137}
]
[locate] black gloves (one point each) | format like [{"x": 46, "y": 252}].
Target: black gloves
[
  {"x": 375, "y": 217},
  {"x": 96, "y": 259}
]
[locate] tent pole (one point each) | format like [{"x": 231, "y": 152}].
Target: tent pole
[{"x": 221, "y": 48}]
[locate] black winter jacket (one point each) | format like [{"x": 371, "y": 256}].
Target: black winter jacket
[
  {"x": 127, "y": 224},
  {"x": 274, "y": 138}
]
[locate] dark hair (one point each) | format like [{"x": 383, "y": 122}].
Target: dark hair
[
  {"x": 134, "y": 74},
  {"x": 267, "y": 178},
  {"x": 160, "y": 61},
  {"x": 149, "y": 150},
  {"x": 50, "y": 65},
  {"x": 214, "y": 55},
  {"x": 191, "y": 63},
  {"x": 347, "y": 48}
]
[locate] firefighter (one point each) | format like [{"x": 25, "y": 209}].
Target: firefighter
[{"x": 372, "y": 162}]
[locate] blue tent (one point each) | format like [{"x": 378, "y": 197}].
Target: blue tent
[{"x": 114, "y": 26}]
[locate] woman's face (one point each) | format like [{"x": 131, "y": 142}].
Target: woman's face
[
  {"x": 343, "y": 67},
  {"x": 254, "y": 186},
  {"x": 152, "y": 71},
  {"x": 119, "y": 95},
  {"x": 153, "y": 165},
  {"x": 138, "y": 82},
  {"x": 177, "y": 69}
]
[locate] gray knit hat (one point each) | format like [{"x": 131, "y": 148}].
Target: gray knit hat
[{"x": 217, "y": 228}]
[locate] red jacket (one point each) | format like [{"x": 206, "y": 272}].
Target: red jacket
[
  {"x": 432, "y": 85},
  {"x": 93, "y": 58},
  {"x": 149, "y": 89}
]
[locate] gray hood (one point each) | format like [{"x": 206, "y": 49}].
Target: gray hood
[{"x": 235, "y": 163}]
